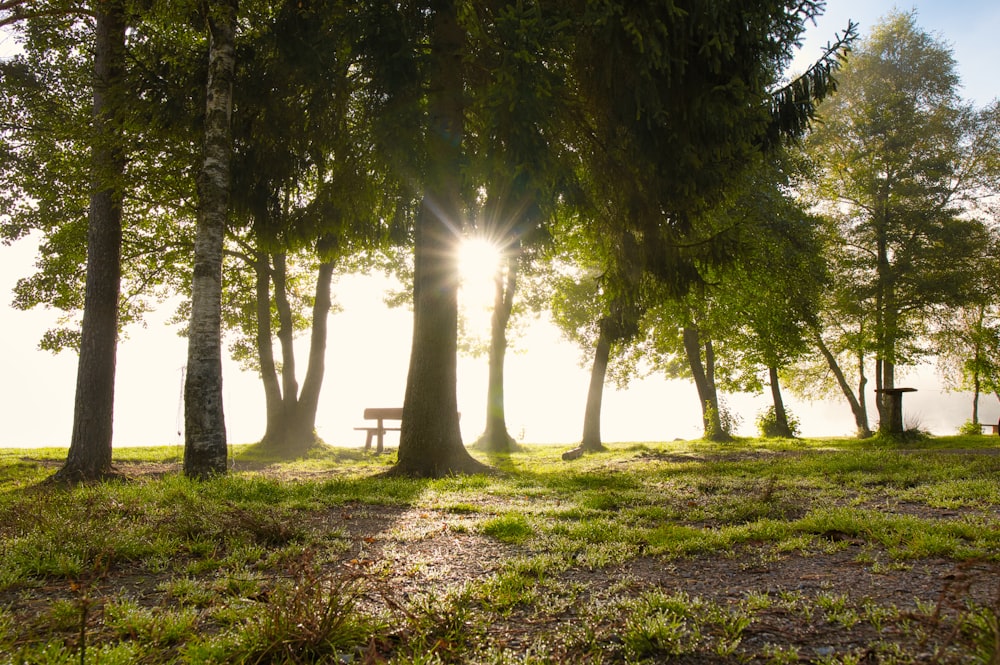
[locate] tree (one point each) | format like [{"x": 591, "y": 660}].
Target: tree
[
  {"x": 89, "y": 454},
  {"x": 90, "y": 451},
  {"x": 672, "y": 123},
  {"x": 310, "y": 192},
  {"x": 80, "y": 139},
  {"x": 772, "y": 289},
  {"x": 205, "y": 452},
  {"x": 967, "y": 338},
  {"x": 902, "y": 162},
  {"x": 430, "y": 440},
  {"x": 513, "y": 95}
]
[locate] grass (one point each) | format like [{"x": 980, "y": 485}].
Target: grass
[{"x": 643, "y": 553}]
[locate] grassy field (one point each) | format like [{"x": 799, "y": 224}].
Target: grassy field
[{"x": 833, "y": 551}]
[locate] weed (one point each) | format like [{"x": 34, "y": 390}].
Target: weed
[
  {"x": 310, "y": 616},
  {"x": 779, "y": 655},
  {"x": 159, "y": 626},
  {"x": 189, "y": 591},
  {"x": 837, "y": 609}
]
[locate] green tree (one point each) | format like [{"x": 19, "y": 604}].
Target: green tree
[
  {"x": 77, "y": 126},
  {"x": 967, "y": 338},
  {"x": 672, "y": 123},
  {"x": 513, "y": 97},
  {"x": 89, "y": 455},
  {"x": 902, "y": 161},
  {"x": 308, "y": 191},
  {"x": 90, "y": 450}
]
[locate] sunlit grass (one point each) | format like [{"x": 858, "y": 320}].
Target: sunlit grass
[{"x": 210, "y": 555}]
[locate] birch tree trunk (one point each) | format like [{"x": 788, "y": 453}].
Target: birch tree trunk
[
  {"x": 204, "y": 420},
  {"x": 89, "y": 455}
]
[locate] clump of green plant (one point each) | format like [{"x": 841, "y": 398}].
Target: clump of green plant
[
  {"x": 728, "y": 419},
  {"x": 970, "y": 428},
  {"x": 769, "y": 427},
  {"x": 510, "y": 528},
  {"x": 311, "y": 616}
]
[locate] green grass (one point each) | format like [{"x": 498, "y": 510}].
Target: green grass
[{"x": 322, "y": 558}]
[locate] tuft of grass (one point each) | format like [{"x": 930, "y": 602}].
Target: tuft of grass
[
  {"x": 311, "y": 617},
  {"x": 511, "y": 528}
]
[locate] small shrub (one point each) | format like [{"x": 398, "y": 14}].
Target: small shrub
[
  {"x": 729, "y": 419},
  {"x": 970, "y": 428},
  {"x": 769, "y": 428}
]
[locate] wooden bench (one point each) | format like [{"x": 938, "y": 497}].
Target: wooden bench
[
  {"x": 994, "y": 427},
  {"x": 380, "y": 415}
]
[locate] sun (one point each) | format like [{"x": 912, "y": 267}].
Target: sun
[{"x": 478, "y": 259}]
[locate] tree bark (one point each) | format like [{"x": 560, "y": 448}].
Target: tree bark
[
  {"x": 205, "y": 451},
  {"x": 286, "y": 340},
  {"x": 860, "y": 413},
  {"x": 303, "y": 430},
  {"x": 591, "y": 441},
  {"x": 975, "y": 397},
  {"x": 496, "y": 438},
  {"x": 710, "y": 417},
  {"x": 89, "y": 456},
  {"x": 430, "y": 443},
  {"x": 265, "y": 351},
  {"x": 782, "y": 428}
]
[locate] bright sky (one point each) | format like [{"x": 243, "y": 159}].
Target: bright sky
[{"x": 369, "y": 343}]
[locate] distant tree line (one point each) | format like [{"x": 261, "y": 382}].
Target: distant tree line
[{"x": 652, "y": 174}]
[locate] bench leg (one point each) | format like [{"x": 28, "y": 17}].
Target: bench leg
[
  {"x": 381, "y": 435},
  {"x": 368, "y": 439}
]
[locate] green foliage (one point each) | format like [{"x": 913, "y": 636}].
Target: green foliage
[
  {"x": 767, "y": 423},
  {"x": 45, "y": 183},
  {"x": 969, "y": 428},
  {"x": 728, "y": 422},
  {"x": 902, "y": 161}
]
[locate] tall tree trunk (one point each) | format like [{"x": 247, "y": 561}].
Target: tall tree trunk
[
  {"x": 496, "y": 437},
  {"x": 860, "y": 413},
  {"x": 591, "y": 440},
  {"x": 286, "y": 340},
  {"x": 780, "y": 415},
  {"x": 204, "y": 420},
  {"x": 265, "y": 352},
  {"x": 975, "y": 397},
  {"x": 430, "y": 443},
  {"x": 303, "y": 430},
  {"x": 710, "y": 417},
  {"x": 89, "y": 455}
]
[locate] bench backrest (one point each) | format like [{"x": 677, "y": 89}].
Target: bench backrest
[{"x": 387, "y": 413}]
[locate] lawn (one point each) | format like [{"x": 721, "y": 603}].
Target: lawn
[{"x": 819, "y": 551}]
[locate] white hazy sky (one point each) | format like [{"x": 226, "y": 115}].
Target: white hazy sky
[{"x": 369, "y": 343}]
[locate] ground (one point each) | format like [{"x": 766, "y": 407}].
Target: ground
[{"x": 846, "y": 601}]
